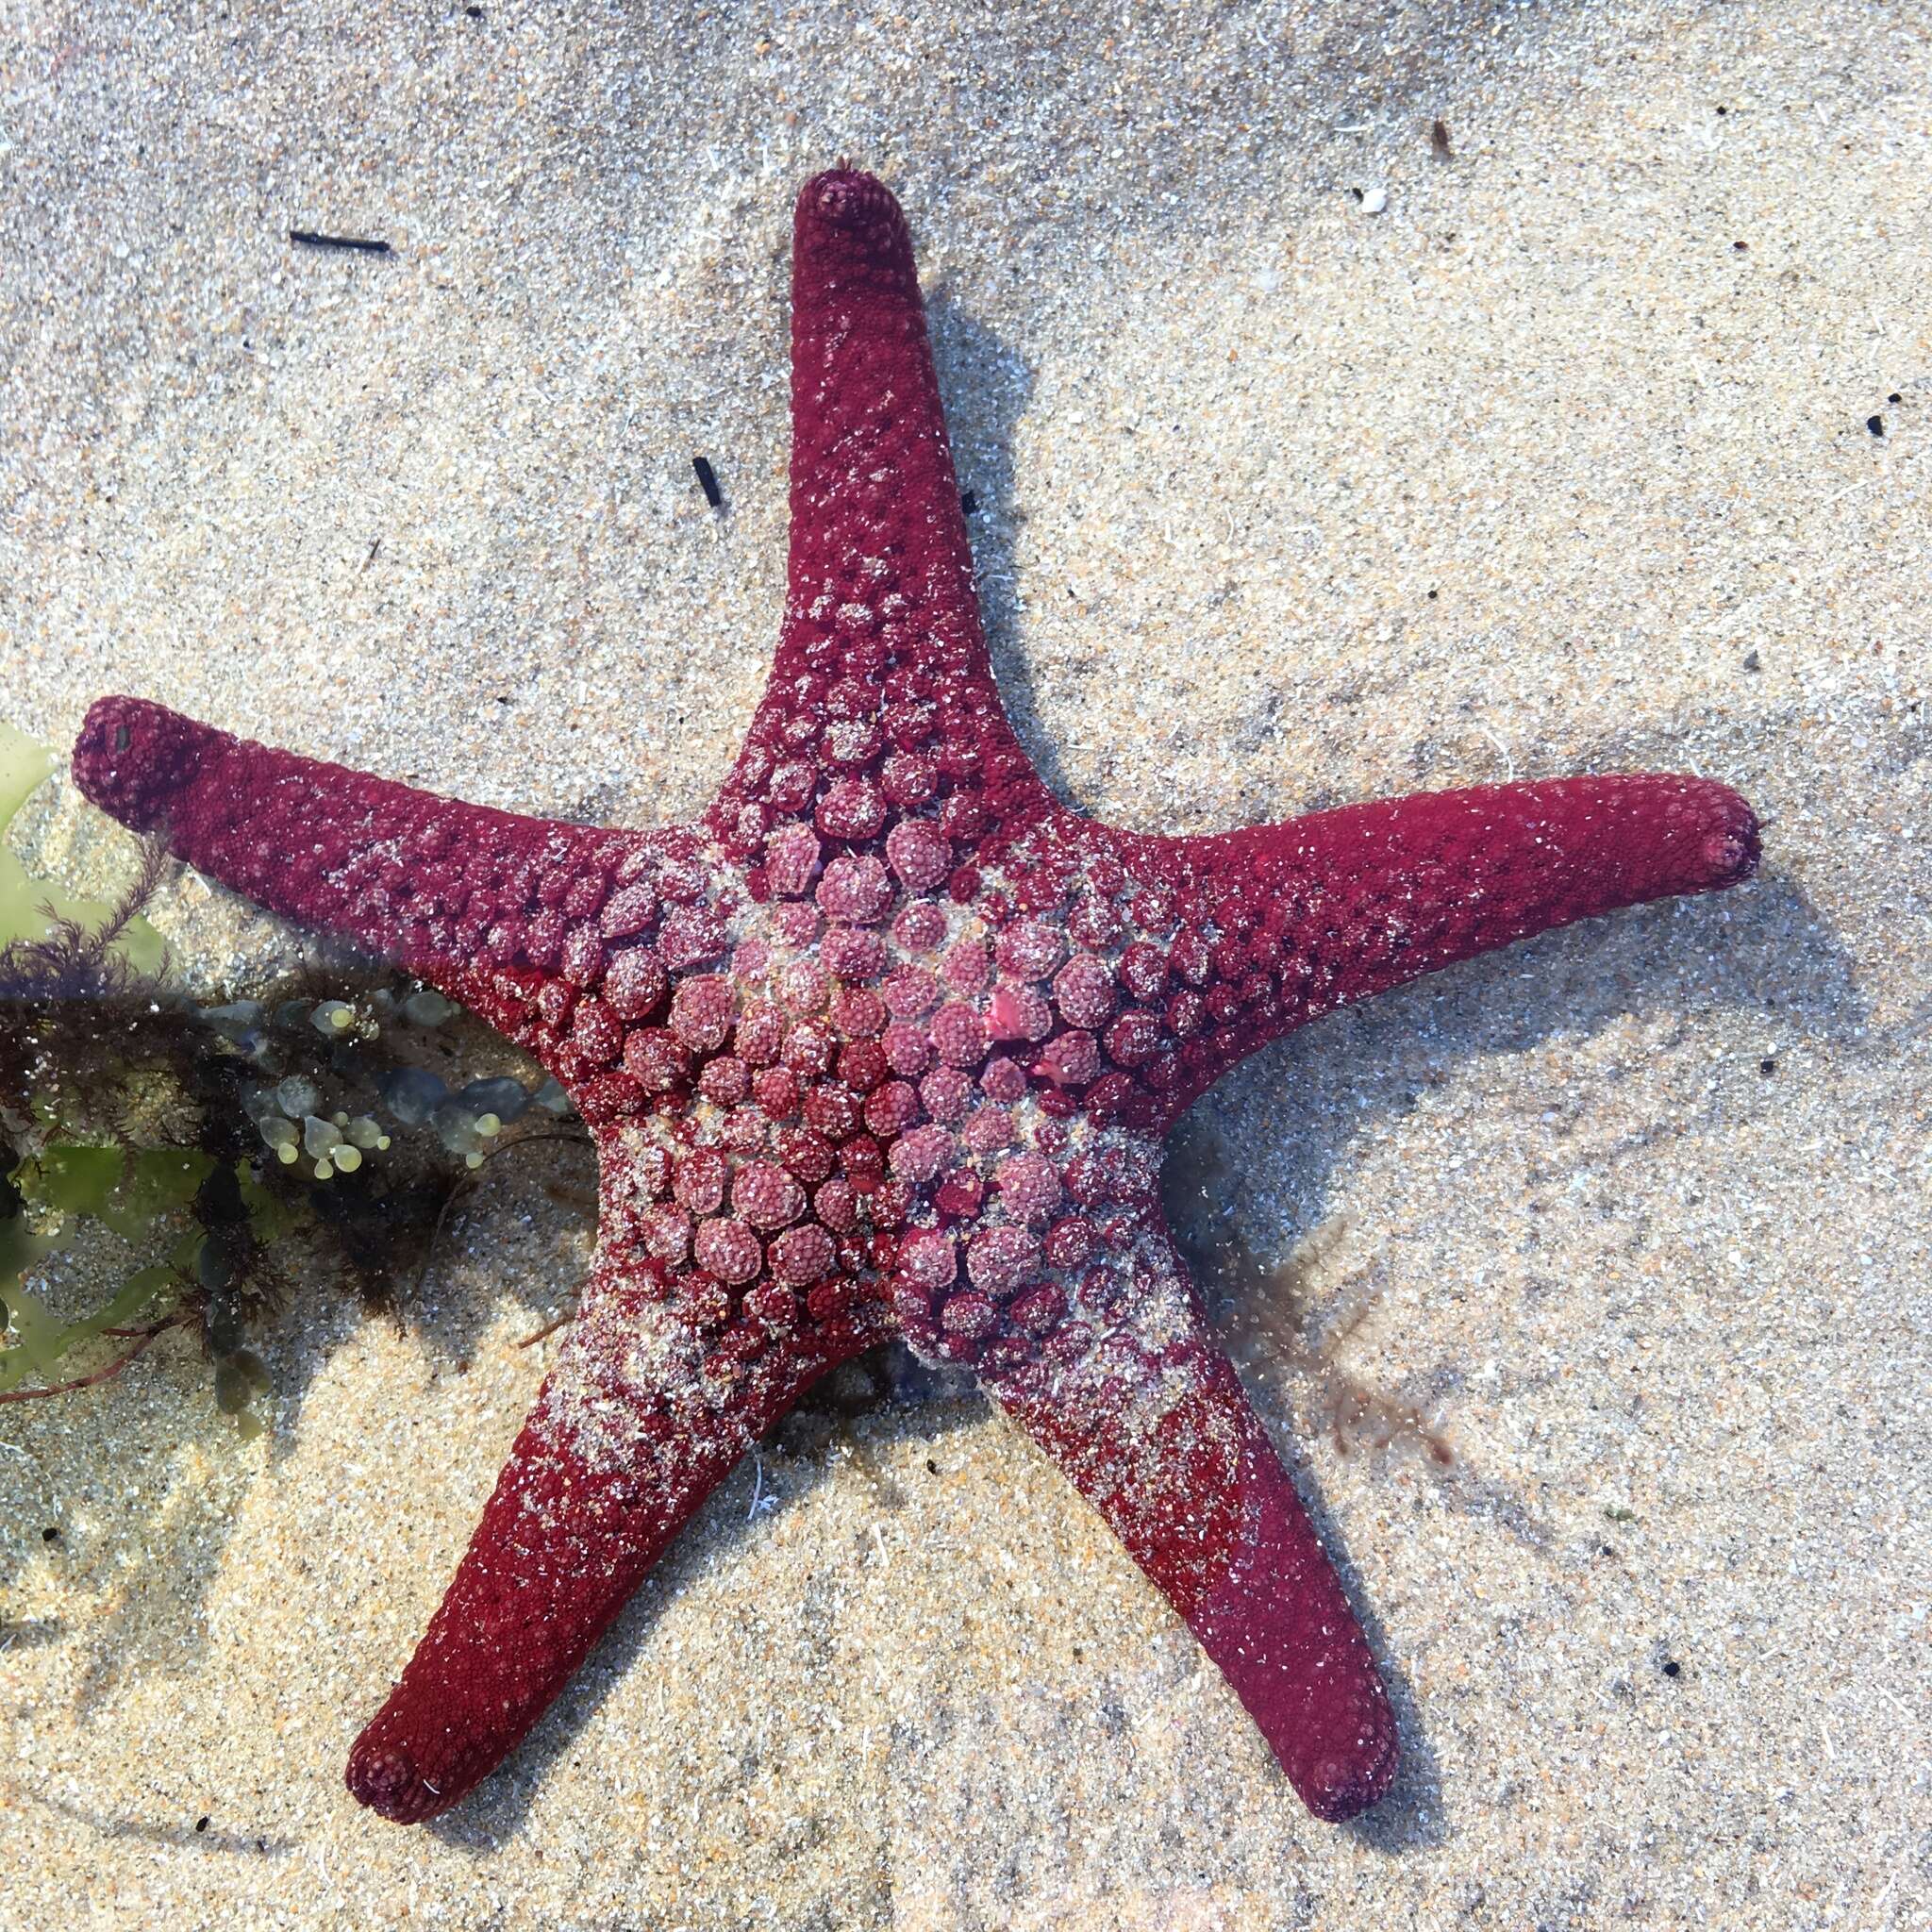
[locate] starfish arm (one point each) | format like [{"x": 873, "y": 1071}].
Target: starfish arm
[
  {"x": 1146, "y": 1416},
  {"x": 881, "y": 699},
  {"x": 1243, "y": 936},
  {"x": 465, "y": 896},
  {"x": 630, "y": 1434}
]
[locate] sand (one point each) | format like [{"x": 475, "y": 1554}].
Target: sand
[{"x": 1311, "y": 465}]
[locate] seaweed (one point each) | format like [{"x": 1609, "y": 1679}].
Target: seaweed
[{"x": 234, "y": 1149}]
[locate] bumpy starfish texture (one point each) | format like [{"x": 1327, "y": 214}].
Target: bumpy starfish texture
[{"x": 887, "y": 1042}]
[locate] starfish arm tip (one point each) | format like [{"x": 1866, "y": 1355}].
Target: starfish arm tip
[
  {"x": 1281, "y": 1629},
  {"x": 881, "y": 696},
  {"x": 1348, "y": 903},
  {"x": 1337, "y": 1789},
  {"x": 1153, "y": 1426},
  {"x": 132, "y": 756},
  {"x": 383, "y": 1775},
  {"x": 611, "y": 1464},
  {"x": 1733, "y": 843},
  {"x": 847, "y": 198},
  {"x": 450, "y": 891}
]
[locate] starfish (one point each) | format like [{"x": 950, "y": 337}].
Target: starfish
[{"x": 887, "y": 1044}]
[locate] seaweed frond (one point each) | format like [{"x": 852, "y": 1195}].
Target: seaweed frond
[{"x": 78, "y": 959}]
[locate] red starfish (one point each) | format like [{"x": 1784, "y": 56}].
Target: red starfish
[{"x": 888, "y": 1043}]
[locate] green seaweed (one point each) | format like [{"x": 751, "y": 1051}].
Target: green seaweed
[
  {"x": 23, "y": 764},
  {"x": 31, "y": 910},
  {"x": 124, "y": 1189},
  {"x": 41, "y": 1340}
]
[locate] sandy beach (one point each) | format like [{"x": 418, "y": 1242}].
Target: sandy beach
[{"x": 1311, "y": 462}]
